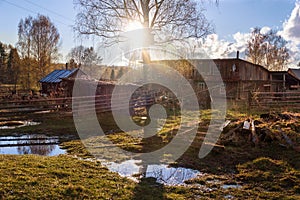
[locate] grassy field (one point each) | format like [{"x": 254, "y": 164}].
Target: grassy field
[
  {"x": 265, "y": 171},
  {"x": 64, "y": 177}
]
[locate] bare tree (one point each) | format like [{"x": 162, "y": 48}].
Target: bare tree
[
  {"x": 168, "y": 20},
  {"x": 24, "y": 47},
  {"x": 45, "y": 43},
  {"x": 38, "y": 45},
  {"x": 84, "y": 56},
  {"x": 76, "y": 54},
  {"x": 267, "y": 49},
  {"x": 254, "y": 50}
]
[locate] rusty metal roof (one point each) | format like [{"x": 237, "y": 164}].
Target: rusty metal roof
[{"x": 57, "y": 75}]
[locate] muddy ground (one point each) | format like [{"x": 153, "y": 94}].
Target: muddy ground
[{"x": 261, "y": 162}]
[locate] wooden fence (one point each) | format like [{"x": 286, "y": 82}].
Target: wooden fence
[
  {"x": 99, "y": 103},
  {"x": 274, "y": 100}
]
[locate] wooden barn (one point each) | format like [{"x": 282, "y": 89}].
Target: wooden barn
[
  {"x": 53, "y": 85},
  {"x": 239, "y": 76}
]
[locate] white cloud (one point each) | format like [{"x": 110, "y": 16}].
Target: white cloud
[
  {"x": 291, "y": 33},
  {"x": 291, "y": 27},
  {"x": 215, "y": 47},
  {"x": 241, "y": 40},
  {"x": 265, "y": 30}
]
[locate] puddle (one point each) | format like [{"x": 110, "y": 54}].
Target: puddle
[
  {"x": 163, "y": 173},
  {"x": 126, "y": 168},
  {"x": 235, "y": 186},
  {"x": 229, "y": 196},
  {"x": 30, "y": 144},
  {"x": 171, "y": 175},
  {"x": 16, "y": 124}
]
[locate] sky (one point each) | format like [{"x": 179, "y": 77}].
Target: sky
[{"x": 232, "y": 19}]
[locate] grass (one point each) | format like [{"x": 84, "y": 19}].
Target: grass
[
  {"x": 270, "y": 176},
  {"x": 267, "y": 171},
  {"x": 227, "y": 158},
  {"x": 64, "y": 177},
  {"x": 51, "y": 124},
  {"x": 36, "y": 177}
]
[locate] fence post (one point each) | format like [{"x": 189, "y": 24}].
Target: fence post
[{"x": 249, "y": 103}]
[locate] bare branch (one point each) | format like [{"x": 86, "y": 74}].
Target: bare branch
[
  {"x": 177, "y": 19},
  {"x": 267, "y": 49}
]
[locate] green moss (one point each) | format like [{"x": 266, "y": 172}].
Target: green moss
[
  {"x": 270, "y": 175},
  {"x": 51, "y": 124},
  {"x": 266, "y": 165},
  {"x": 75, "y": 147},
  {"x": 63, "y": 177}
]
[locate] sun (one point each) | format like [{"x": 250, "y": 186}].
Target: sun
[{"x": 134, "y": 25}]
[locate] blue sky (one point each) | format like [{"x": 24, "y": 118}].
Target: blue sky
[
  {"x": 233, "y": 20},
  {"x": 233, "y": 16},
  {"x": 61, "y": 13}
]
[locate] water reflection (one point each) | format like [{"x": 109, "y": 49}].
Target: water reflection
[
  {"x": 170, "y": 175},
  {"x": 126, "y": 168},
  {"x": 235, "y": 186},
  {"x": 16, "y": 124},
  {"x": 30, "y": 144},
  {"x": 36, "y": 149},
  {"x": 163, "y": 173}
]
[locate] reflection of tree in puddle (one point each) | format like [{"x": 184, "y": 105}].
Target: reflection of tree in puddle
[
  {"x": 16, "y": 124},
  {"x": 36, "y": 145},
  {"x": 161, "y": 172},
  {"x": 169, "y": 175}
]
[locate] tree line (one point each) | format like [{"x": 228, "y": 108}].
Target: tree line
[
  {"x": 34, "y": 54},
  {"x": 37, "y": 53}
]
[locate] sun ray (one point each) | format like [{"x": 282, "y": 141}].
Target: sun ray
[{"x": 133, "y": 25}]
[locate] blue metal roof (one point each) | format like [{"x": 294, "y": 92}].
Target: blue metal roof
[{"x": 57, "y": 75}]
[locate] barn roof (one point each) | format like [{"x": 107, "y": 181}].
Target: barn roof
[
  {"x": 57, "y": 75},
  {"x": 295, "y": 72}
]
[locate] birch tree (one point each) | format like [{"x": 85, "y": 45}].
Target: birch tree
[
  {"x": 267, "y": 49},
  {"x": 45, "y": 43},
  {"x": 38, "y": 44}
]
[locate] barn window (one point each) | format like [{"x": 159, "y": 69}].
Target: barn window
[
  {"x": 234, "y": 68},
  {"x": 201, "y": 86}
]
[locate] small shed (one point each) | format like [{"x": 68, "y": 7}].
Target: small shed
[
  {"x": 52, "y": 84},
  {"x": 285, "y": 80},
  {"x": 295, "y": 74}
]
